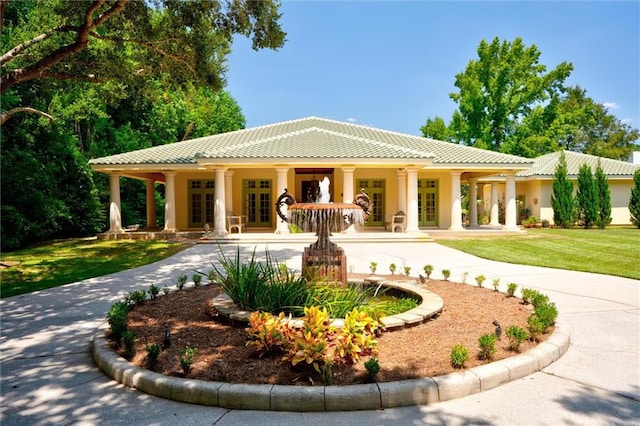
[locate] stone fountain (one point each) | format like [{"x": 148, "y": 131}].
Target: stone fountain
[{"x": 324, "y": 259}]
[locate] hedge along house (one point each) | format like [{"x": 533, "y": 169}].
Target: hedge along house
[
  {"x": 535, "y": 185},
  {"x": 242, "y": 173}
]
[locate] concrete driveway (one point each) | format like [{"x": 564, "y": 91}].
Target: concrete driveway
[{"x": 47, "y": 376}]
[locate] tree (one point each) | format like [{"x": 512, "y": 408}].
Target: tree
[
  {"x": 437, "y": 129},
  {"x": 586, "y": 197},
  {"x": 634, "y": 201},
  {"x": 562, "y": 196},
  {"x": 604, "y": 198},
  {"x": 120, "y": 40},
  {"x": 500, "y": 88}
]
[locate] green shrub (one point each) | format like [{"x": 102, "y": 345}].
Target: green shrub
[
  {"x": 135, "y": 297},
  {"x": 166, "y": 290},
  {"x": 117, "y": 319},
  {"x": 511, "y": 289},
  {"x": 153, "y": 351},
  {"x": 428, "y": 269},
  {"x": 547, "y": 314},
  {"x": 197, "y": 279},
  {"x": 392, "y": 268},
  {"x": 527, "y": 295},
  {"x": 153, "y": 291},
  {"x": 186, "y": 358},
  {"x": 372, "y": 366},
  {"x": 446, "y": 274},
  {"x": 373, "y": 266},
  {"x": 516, "y": 335},
  {"x": 129, "y": 339},
  {"x": 459, "y": 356},
  {"x": 182, "y": 280},
  {"x": 480, "y": 280},
  {"x": 538, "y": 299},
  {"x": 407, "y": 270},
  {"x": 496, "y": 284},
  {"x": 634, "y": 200},
  {"x": 535, "y": 327},
  {"x": 487, "y": 344}
]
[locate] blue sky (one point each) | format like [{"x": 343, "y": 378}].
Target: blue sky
[{"x": 392, "y": 64}]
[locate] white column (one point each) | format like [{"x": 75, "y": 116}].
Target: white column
[
  {"x": 412, "y": 200},
  {"x": 495, "y": 208},
  {"x": 456, "y": 203},
  {"x": 401, "y": 192},
  {"x": 169, "y": 202},
  {"x": 219, "y": 211},
  {"x": 282, "y": 227},
  {"x": 473, "y": 203},
  {"x": 510, "y": 208},
  {"x": 151, "y": 204},
  {"x": 115, "y": 218},
  {"x": 481, "y": 197},
  {"x": 228, "y": 192},
  {"x": 347, "y": 184}
]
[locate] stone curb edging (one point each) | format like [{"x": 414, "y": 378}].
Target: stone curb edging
[{"x": 370, "y": 396}]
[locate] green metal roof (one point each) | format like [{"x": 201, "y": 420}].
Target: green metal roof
[
  {"x": 313, "y": 138},
  {"x": 546, "y": 165}
]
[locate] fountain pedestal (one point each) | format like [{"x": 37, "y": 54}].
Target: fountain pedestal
[{"x": 324, "y": 259}]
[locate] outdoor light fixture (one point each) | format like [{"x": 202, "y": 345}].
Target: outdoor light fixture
[
  {"x": 498, "y": 329},
  {"x": 167, "y": 338}
]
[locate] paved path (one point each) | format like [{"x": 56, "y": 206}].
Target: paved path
[{"x": 47, "y": 376}]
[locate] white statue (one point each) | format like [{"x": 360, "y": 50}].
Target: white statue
[{"x": 324, "y": 191}]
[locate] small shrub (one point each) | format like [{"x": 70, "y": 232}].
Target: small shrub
[
  {"x": 527, "y": 295},
  {"x": 186, "y": 358},
  {"x": 153, "y": 291},
  {"x": 516, "y": 335},
  {"x": 166, "y": 290},
  {"x": 446, "y": 274},
  {"x": 547, "y": 314},
  {"x": 269, "y": 334},
  {"x": 545, "y": 223},
  {"x": 459, "y": 356},
  {"x": 182, "y": 280},
  {"x": 496, "y": 284},
  {"x": 407, "y": 270},
  {"x": 480, "y": 280},
  {"x": 197, "y": 279},
  {"x": 465, "y": 275},
  {"x": 372, "y": 366},
  {"x": 129, "y": 339},
  {"x": 428, "y": 269},
  {"x": 538, "y": 299},
  {"x": 117, "y": 319},
  {"x": 153, "y": 351},
  {"x": 487, "y": 343},
  {"x": 511, "y": 289},
  {"x": 135, "y": 297},
  {"x": 535, "y": 327},
  {"x": 373, "y": 266},
  {"x": 392, "y": 268}
]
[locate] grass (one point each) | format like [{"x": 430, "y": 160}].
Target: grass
[
  {"x": 612, "y": 251},
  {"x": 52, "y": 265}
]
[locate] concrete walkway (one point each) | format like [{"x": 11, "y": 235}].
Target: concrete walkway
[{"x": 47, "y": 376}]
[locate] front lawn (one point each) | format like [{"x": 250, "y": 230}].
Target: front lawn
[
  {"x": 52, "y": 265},
  {"x": 612, "y": 251}
]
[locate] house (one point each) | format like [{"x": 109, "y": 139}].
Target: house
[
  {"x": 535, "y": 185},
  {"x": 242, "y": 173}
]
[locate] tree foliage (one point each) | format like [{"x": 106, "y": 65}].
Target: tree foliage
[
  {"x": 604, "y": 198},
  {"x": 562, "y": 200},
  {"x": 500, "y": 88},
  {"x": 634, "y": 200},
  {"x": 508, "y": 102},
  {"x": 114, "y": 95},
  {"x": 587, "y": 197},
  {"x": 125, "y": 41}
]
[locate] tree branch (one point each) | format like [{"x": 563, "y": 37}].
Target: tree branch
[
  {"x": 8, "y": 114},
  {"x": 149, "y": 45},
  {"x": 81, "y": 42}
]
